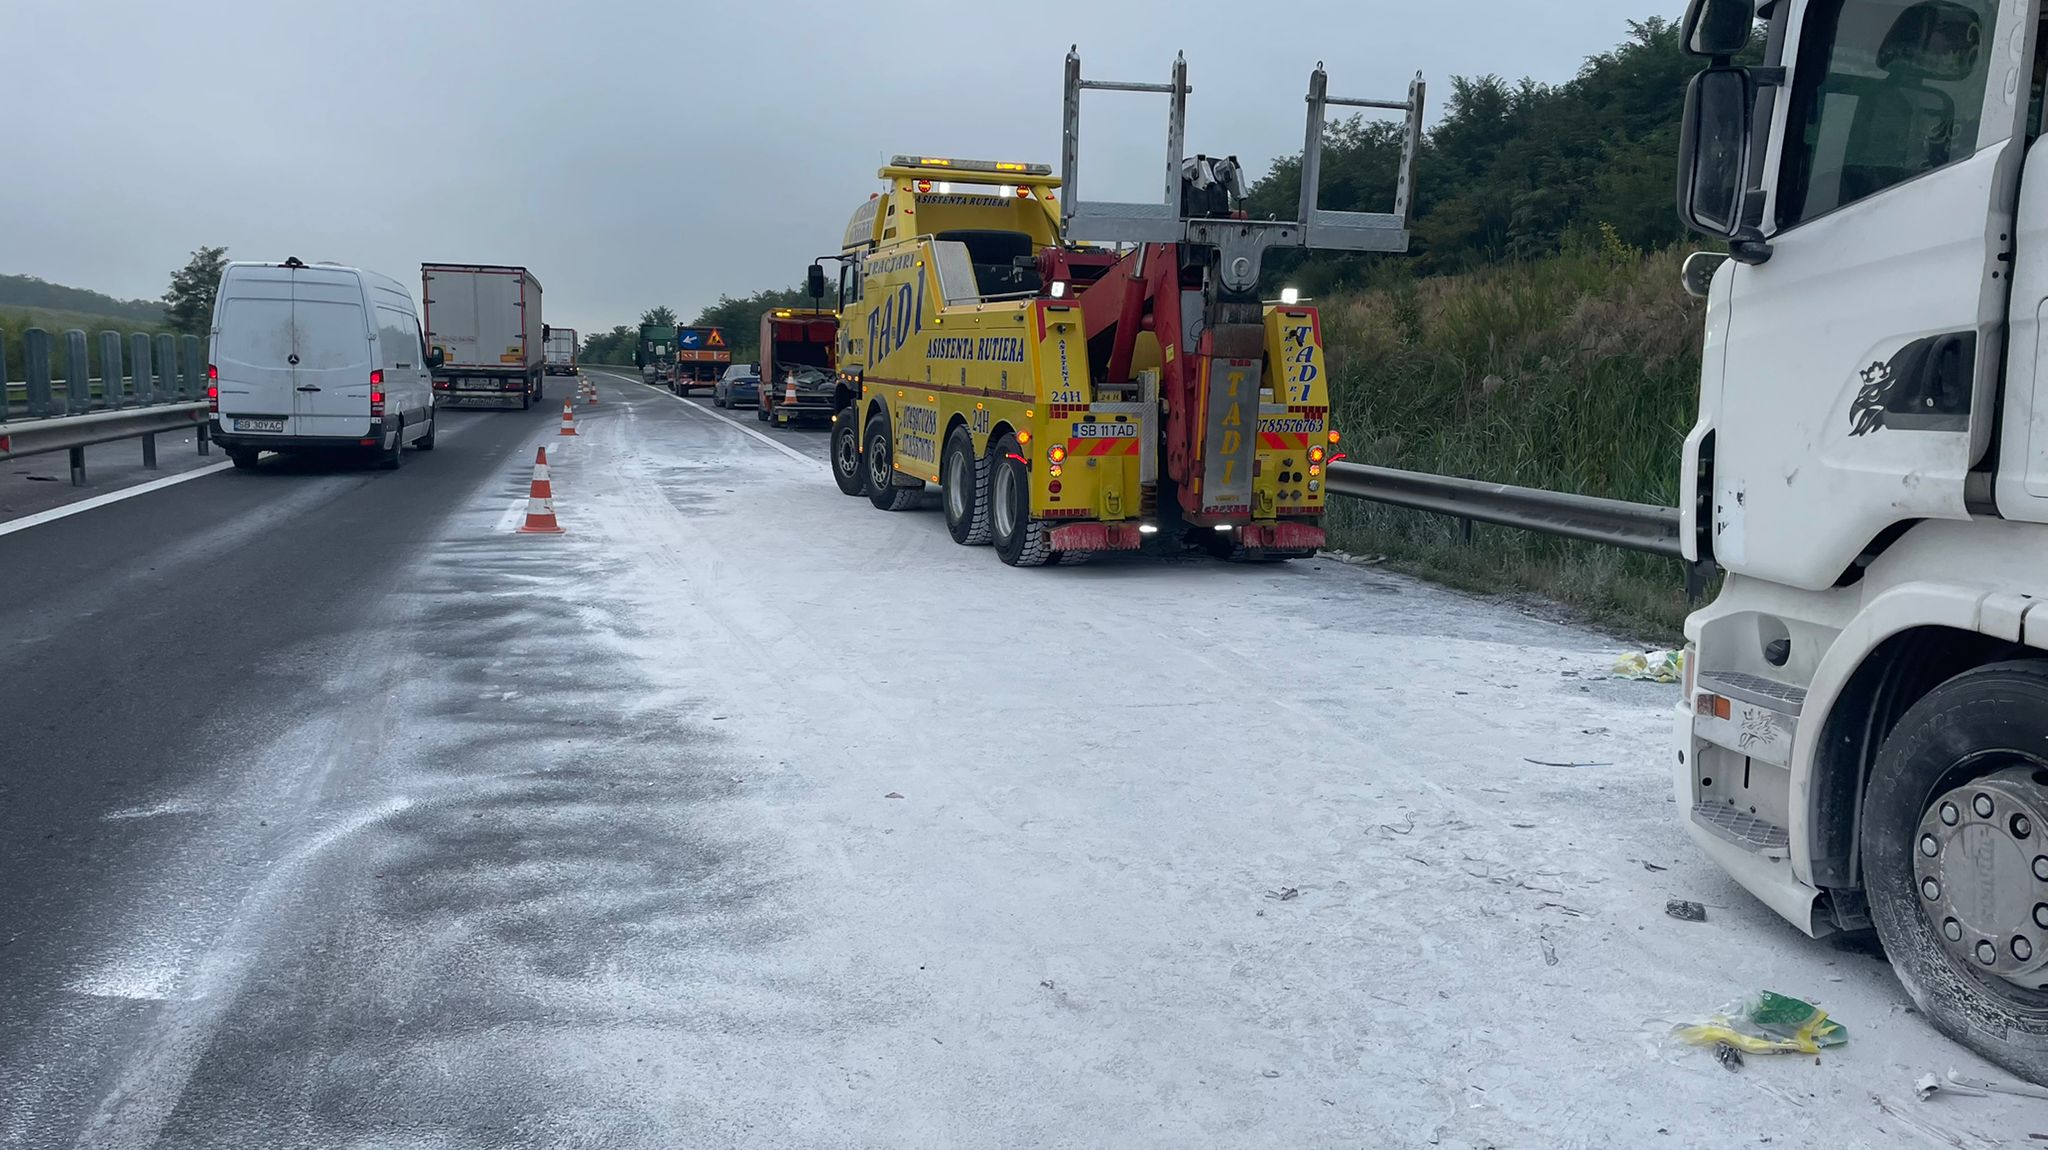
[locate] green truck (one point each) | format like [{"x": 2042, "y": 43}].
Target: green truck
[{"x": 656, "y": 353}]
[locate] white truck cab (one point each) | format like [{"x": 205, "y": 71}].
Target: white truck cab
[
  {"x": 307, "y": 357},
  {"x": 1864, "y": 738}
]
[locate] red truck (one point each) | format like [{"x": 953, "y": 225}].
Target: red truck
[{"x": 799, "y": 365}]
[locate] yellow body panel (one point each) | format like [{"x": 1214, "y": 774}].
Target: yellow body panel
[{"x": 1294, "y": 418}]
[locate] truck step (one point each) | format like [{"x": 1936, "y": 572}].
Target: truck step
[
  {"x": 1743, "y": 829},
  {"x": 1754, "y": 689}
]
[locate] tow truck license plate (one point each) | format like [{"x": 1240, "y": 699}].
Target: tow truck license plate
[
  {"x": 259, "y": 425},
  {"x": 1105, "y": 431}
]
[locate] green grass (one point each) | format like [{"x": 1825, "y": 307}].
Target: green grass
[{"x": 1578, "y": 374}]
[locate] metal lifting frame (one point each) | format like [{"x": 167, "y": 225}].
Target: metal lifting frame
[{"x": 1241, "y": 243}]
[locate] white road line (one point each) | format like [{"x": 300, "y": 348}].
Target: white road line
[
  {"x": 69, "y": 509},
  {"x": 764, "y": 437}
]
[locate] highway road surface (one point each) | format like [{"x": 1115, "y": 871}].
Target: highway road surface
[{"x": 333, "y": 813}]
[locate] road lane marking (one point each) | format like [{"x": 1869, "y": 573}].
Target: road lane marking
[
  {"x": 69, "y": 509},
  {"x": 784, "y": 448}
]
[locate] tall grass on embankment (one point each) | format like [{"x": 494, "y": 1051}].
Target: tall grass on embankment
[{"x": 1578, "y": 373}]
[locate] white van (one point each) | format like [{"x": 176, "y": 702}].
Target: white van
[{"x": 316, "y": 357}]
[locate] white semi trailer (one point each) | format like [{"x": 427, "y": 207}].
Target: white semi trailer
[{"x": 486, "y": 321}]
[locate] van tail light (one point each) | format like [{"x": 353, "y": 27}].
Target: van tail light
[
  {"x": 212, "y": 389},
  {"x": 377, "y": 394}
]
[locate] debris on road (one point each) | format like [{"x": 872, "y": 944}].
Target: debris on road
[
  {"x": 1986, "y": 1087},
  {"x": 1684, "y": 909},
  {"x": 1284, "y": 894},
  {"x": 1729, "y": 1057},
  {"x": 1547, "y": 763},
  {"x": 1651, "y": 666},
  {"x": 1650, "y": 866},
  {"x": 1769, "y": 1023},
  {"x": 892, "y": 795},
  {"x": 1928, "y": 1086}
]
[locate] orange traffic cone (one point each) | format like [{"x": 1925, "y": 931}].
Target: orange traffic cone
[
  {"x": 789, "y": 392},
  {"x": 568, "y": 419},
  {"x": 540, "y": 501},
  {"x": 589, "y": 393}
]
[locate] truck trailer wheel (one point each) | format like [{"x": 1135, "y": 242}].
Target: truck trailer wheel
[
  {"x": 1955, "y": 860},
  {"x": 966, "y": 489},
  {"x": 846, "y": 465},
  {"x": 1020, "y": 540},
  {"x": 882, "y": 489}
]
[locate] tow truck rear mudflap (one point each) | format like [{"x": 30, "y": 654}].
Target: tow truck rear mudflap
[
  {"x": 1077, "y": 537},
  {"x": 1281, "y": 537}
]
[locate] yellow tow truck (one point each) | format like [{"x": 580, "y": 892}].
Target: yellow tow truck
[{"x": 1070, "y": 399}]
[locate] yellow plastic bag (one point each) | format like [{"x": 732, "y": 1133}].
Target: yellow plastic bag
[
  {"x": 1769, "y": 1023},
  {"x": 1655, "y": 666}
]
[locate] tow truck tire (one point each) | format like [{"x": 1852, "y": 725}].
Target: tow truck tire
[
  {"x": 847, "y": 471},
  {"x": 1020, "y": 540},
  {"x": 1970, "y": 745},
  {"x": 966, "y": 490},
  {"x": 880, "y": 459},
  {"x": 761, "y": 413}
]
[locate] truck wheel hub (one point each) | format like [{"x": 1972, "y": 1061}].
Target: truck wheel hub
[
  {"x": 1980, "y": 863},
  {"x": 956, "y": 488},
  {"x": 848, "y": 455}
]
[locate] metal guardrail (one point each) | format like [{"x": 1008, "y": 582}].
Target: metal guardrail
[
  {"x": 1635, "y": 526},
  {"x": 156, "y": 393}
]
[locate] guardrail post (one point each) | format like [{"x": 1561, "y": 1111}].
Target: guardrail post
[
  {"x": 195, "y": 370},
  {"x": 115, "y": 386},
  {"x": 6, "y": 401},
  {"x": 138, "y": 363},
  {"x": 35, "y": 355},
  {"x": 167, "y": 367},
  {"x": 78, "y": 467},
  {"x": 77, "y": 373}
]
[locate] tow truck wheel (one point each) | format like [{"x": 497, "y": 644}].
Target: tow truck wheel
[
  {"x": 966, "y": 490},
  {"x": 882, "y": 489},
  {"x": 846, "y": 466},
  {"x": 760, "y": 413},
  {"x": 1020, "y": 540},
  {"x": 1955, "y": 860}
]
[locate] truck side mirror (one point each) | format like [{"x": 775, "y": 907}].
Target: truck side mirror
[
  {"x": 1714, "y": 149},
  {"x": 1717, "y": 29},
  {"x": 435, "y": 359},
  {"x": 814, "y": 281},
  {"x": 546, "y": 332}
]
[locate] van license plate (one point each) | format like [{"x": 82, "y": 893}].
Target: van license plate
[{"x": 259, "y": 425}]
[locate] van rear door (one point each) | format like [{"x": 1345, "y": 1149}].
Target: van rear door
[
  {"x": 252, "y": 351},
  {"x": 331, "y": 385}
]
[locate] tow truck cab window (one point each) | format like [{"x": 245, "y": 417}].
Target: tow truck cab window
[
  {"x": 1002, "y": 260},
  {"x": 1884, "y": 90}
]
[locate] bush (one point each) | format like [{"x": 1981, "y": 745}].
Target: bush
[{"x": 1578, "y": 373}]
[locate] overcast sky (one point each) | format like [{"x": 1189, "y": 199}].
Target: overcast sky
[{"x": 633, "y": 152}]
